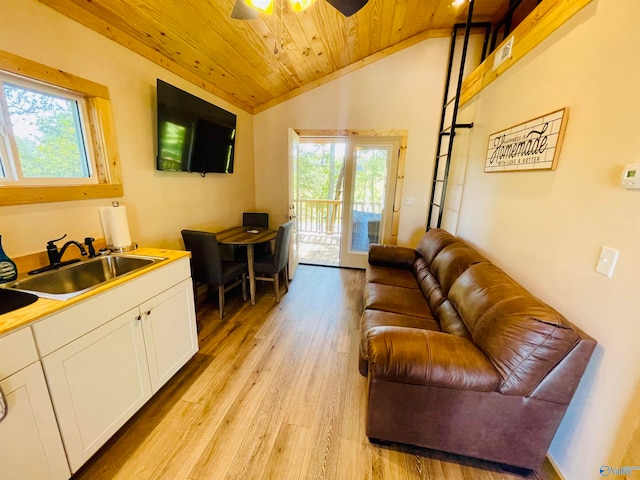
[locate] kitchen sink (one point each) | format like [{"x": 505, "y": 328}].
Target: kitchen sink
[{"x": 72, "y": 280}]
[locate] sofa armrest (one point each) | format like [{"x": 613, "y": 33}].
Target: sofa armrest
[
  {"x": 392, "y": 256},
  {"x": 429, "y": 358}
]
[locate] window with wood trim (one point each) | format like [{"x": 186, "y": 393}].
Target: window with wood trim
[
  {"x": 56, "y": 136},
  {"x": 45, "y": 135}
]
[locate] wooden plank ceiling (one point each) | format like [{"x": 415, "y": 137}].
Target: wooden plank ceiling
[{"x": 237, "y": 59}]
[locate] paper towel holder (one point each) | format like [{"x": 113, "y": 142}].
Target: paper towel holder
[
  {"x": 128, "y": 248},
  {"x": 122, "y": 249}
]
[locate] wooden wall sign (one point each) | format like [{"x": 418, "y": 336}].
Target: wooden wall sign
[{"x": 533, "y": 145}]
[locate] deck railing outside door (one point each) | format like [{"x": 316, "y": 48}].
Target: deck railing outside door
[{"x": 325, "y": 216}]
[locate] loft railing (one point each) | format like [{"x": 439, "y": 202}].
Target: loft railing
[{"x": 325, "y": 216}]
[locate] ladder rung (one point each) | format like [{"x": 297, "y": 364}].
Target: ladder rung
[
  {"x": 464, "y": 125},
  {"x": 438, "y": 181},
  {"x": 453, "y": 99},
  {"x": 435, "y": 204}
]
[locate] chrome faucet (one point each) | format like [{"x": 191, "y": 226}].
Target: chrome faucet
[{"x": 55, "y": 256}]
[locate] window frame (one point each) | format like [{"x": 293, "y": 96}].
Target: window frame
[
  {"x": 13, "y": 160},
  {"x": 102, "y": 142}
]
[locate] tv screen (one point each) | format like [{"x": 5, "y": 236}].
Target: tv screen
[{"x": 193, "y": 135}]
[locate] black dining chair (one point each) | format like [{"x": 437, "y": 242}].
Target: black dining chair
[
  {"x": 254, "y": 219},
  {"x": 208, "y": 267},
  {"x": 269, "y": 267}
]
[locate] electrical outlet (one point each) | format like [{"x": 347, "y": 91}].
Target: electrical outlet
[{"x": 408, "y": 200}]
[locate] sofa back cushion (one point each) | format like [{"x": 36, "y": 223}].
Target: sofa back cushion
[
  {"x": 450, "y": 321},
  {"x": 432, "y": 242},
  {"x": 523, "y": 337},
  {"x": 452, "y": 261}
]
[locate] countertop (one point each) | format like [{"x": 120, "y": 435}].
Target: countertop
[{"x": 44, "y": 306}]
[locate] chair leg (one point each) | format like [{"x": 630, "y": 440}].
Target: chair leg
[
  {"x": 244, "y": 287},
  {"x": 286, "y": 278},
  {"x": 221, "y": 299},
  {"x": 276, "y": 286}
]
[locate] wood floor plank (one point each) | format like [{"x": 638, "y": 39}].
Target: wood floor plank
[
  {"x": 274, "y": 394},
  {"x": 321, "y": 459},
  {"x": 260, "y": 437},
  {"x": 308, "y": 387},
  {"x": 285, "y": 460},
  {"x": 225, "y": 441}
]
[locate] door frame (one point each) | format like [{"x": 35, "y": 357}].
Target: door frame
[
  {"x": 402, "y": 135},
  {"x": 293, "y": 140}
]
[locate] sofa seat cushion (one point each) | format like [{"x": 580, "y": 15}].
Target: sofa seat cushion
[
  {"x": 389, "y": 298},
  {"x": 391, "y": 276},
  {"x": 429, "y": 358},
  {"x": 377, "y": 318}
]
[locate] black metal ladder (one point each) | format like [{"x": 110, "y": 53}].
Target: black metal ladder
[{"x": 449, "y": 117}]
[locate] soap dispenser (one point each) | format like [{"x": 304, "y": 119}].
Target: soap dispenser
[{"x": 8, "y": 269}]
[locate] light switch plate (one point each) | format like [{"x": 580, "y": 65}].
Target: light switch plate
[
  {"x": 607, "y": 261},
  {"x": 408, "y": 200}
]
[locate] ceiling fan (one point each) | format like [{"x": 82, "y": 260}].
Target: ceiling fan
[{"x": 249, "y": 9}]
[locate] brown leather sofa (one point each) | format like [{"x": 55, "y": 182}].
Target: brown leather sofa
[{"x": 462, "y": 359}]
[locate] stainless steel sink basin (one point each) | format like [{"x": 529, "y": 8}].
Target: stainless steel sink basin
[{"x": 78, "y": 278}]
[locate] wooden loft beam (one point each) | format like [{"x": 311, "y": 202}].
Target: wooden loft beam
[{"x": 545, "y": 19}]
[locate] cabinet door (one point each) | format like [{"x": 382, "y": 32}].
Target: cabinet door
[
  {"x": 97, "y": 383},
  {"x": 170, "y": 332},
  {"x": 30, "y": 445}
]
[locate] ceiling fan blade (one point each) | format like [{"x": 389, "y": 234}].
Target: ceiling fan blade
[
  {"x": 242, "y": 11},
  {"x": 347, "y": 7}
]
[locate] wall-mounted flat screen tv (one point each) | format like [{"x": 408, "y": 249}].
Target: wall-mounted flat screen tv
[{"x": 193, "y": 135}]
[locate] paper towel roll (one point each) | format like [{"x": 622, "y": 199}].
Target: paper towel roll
[{"x": 115, "y": 226}]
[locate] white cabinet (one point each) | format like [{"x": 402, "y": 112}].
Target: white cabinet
[
  {"x": 97, "y": 383},
  {"x": 30, "y": 444},
  {"x": 102, "y": 367},
  {"x": 170, "y": 336}
]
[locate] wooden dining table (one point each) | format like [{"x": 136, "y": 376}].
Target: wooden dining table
[{"x": 248, "y": 236}]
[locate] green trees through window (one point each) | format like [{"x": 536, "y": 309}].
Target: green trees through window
[
  {"x": 45, "y": 138},
  {"x": 321, "y": 171}
]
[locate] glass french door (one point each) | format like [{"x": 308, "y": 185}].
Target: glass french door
[
  {"x": 370, "y": 171},
  {"x": 343, "y": 196}
]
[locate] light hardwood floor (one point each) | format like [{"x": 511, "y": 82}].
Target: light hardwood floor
[{"x": 273, "y": 393}]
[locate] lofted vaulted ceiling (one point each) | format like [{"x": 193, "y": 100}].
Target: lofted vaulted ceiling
[{"x": 257, "y": 63}]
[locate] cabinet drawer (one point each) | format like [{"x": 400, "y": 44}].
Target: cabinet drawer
[
  {"x": 59, "y": 329},
  {"x": 17, "y": 350}
]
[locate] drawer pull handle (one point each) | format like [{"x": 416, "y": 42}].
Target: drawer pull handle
[
  {"x": 138, "y": 317},
  {"x": 147, "y": 313}
]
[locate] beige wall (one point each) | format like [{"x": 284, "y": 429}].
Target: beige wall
[
  {"x": 546, "y": 228},
  {"x": 159, "y": 204},
  {"x": 402, "y": 91}
]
